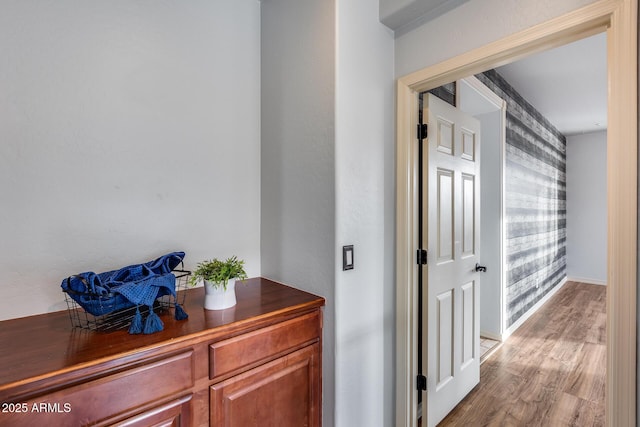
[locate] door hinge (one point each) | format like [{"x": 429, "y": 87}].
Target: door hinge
[
  {"x": 422, "y": 383},
  {"x": 422, "y": 131},
  {"x": 421, "y": 257}
]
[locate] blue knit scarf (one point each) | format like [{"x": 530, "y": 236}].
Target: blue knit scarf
[{"x": 135, "y": 285}]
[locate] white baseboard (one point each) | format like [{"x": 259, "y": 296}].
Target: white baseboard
[
  {"x": 490, "y": 335},
  {"x": 511, "y": 329},
  {"x": 586, "y": 280}
]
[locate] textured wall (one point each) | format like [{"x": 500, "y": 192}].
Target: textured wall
[
  {"x": 446, "y": 92},
  {"x": 535, "y": 201}
]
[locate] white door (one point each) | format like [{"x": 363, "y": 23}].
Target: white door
[{"x": 451, "y": 219}]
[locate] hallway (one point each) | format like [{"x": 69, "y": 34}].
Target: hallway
[{"x": 550, "y": 372}]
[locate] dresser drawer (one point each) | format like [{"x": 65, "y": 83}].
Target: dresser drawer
[
  {"x": 111, "y": 397},
  {"x": 249, "y": 350}
]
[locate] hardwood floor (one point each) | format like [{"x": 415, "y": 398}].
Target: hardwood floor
[{"x": 550, "y": 372}]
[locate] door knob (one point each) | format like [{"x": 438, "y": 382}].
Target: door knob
[{"x": 481, "y": 268}]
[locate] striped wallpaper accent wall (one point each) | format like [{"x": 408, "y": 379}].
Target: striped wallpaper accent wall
[{"x": 535, "y": 201}]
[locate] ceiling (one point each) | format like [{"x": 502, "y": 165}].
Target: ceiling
[
  {"x": 403, "y": 15},
  {"x": 568, "y": 85}
]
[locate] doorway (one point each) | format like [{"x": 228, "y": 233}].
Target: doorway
[{"x": 619, "y": 20}]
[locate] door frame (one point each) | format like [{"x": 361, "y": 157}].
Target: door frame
[
  {"x": 619, "y": 19},
  {"x": 501, "y": 105}
]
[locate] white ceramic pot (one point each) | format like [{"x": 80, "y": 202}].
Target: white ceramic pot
[{"x": 217, "y": 298}]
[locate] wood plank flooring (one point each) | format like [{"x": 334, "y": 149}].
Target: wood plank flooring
[{"x": 550, "y": 372}]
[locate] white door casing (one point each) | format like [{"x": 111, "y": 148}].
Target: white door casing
[
  {"x": 451, "y": 220},
  {"x": 620, "y": 19}
]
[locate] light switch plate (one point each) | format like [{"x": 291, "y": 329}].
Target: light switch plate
[{"x": 347, "y": 257}]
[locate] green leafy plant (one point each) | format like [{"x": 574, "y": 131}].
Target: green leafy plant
[{"x": 219, "y": 272}]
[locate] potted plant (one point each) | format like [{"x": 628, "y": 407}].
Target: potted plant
[{"x": 219, "y": 279}]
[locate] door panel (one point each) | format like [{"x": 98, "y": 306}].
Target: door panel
[
  {"x": 468, "y": 314},
  {"x": 468, "y": 145},
  {"x": 445, "y": 338},
  {"x": 445, "y": 215},
  {"x": 282, "y": 393},
  {"x": 445, "y": 136},
  {"x": 468, "y": 215},
  {"x": 450, "y": 217}
]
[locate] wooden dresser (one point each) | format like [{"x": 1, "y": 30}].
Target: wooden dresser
[{"x": 256, "y": 364}]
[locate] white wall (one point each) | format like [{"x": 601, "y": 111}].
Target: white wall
[
  {"x": 298, "y": 160},
  {"x": 472, "y": 25},
  {"x": 587, "y": 207},
  {"x": 327, "y": 181},
  {"x": 490, "y": 115},
  {"x": 129, "y": 129},
  {"x": 364, "y": 163},
  {"x": 491, "y": 168}
]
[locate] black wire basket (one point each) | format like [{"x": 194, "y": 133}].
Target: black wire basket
[{"x": 121, "y": 319}]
